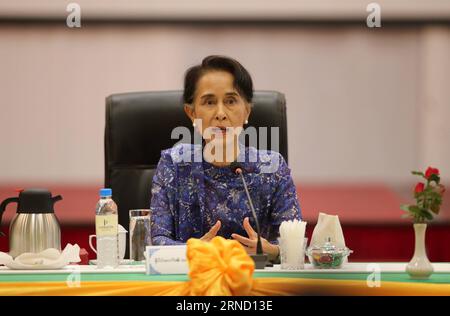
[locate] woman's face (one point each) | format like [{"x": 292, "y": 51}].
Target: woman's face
[{"x": 218, "y": 105}]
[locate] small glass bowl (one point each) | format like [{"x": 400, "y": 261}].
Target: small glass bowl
[{"x": 327, "y": 256}]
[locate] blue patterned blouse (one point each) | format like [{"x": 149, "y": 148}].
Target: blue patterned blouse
[{"x": 189, "y": 195}]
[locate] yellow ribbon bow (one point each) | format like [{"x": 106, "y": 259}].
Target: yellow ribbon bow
[{"x": 219, "y": 267}]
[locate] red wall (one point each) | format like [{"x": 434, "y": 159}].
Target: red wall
[{"x": 369, "y": 243}]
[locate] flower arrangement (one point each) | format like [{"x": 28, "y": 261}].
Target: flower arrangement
[{"x": 428, "y": 197}]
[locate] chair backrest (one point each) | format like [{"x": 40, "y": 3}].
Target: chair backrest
[{"x": 139, "y": 126}]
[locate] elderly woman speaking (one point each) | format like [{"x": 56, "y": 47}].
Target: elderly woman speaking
[{"x": 203, "y": 197}]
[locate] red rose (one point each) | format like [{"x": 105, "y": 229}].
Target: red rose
[
  {"x": 419, "y": 187},
  {"x": 430, "y": 171}
]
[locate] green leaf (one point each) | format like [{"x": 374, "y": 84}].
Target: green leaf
[
  {"x": 414, "y": 209},
  {"x": 426, "y": 214},
  {"x": 418, "y": 173},
  {"x": 420, "y": 199},
  {"x": 428, "y": 188},
  {"x": 435, "y": 178},
  {"x": 438, "y": 201},
  {"x": 434, "y": 195},
  {"x": 417, "y": 218},
  {"x": 419, "y": 195},
  {"x": 404, "y": 207}
]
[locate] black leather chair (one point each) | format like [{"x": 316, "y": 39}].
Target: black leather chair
[{"x": 139, "y": 126}]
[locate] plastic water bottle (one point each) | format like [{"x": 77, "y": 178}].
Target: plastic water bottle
[{"x": 106, "y": 229}]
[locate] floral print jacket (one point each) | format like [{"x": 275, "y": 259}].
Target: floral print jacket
[{"x": 189, "y": 195}]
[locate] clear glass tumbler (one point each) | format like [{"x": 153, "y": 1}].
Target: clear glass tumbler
[
  {"x": 292, "y": 254},
  {"x": 140, "y": 233}
]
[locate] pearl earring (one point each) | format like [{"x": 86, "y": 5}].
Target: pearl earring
[
  {"x": 193, "y": 124},
  {"x": 246, "y": 122}
]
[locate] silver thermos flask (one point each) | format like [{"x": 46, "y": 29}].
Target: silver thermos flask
[{"x": 35, "y": 226}]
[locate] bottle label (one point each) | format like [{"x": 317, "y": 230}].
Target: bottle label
[{"x": 106, "y": 225}]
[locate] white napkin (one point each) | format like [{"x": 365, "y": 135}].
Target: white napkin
[
  {"x": 328, "y": 226},
  {"x": 48, "y": 259}
]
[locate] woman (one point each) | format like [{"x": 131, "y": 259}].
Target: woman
[{"x": 202, "y": 197}]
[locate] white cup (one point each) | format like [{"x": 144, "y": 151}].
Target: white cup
[{"x": 122, "y": 241}]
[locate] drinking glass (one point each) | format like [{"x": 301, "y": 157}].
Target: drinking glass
[
  {"x": 292, "y": 254},
  {"x": 140, "y": 233}
]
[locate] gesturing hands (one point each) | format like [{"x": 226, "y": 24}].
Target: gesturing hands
[
  {"x": 212, "y": 232},
  {"x": 250, "y": 242}
]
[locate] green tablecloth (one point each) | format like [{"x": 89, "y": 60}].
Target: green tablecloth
[{"x": 436, "y": 278}]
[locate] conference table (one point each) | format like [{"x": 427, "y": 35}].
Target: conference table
[{"x": 354, "y": 278}]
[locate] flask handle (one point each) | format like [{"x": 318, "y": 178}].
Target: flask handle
[{"x": 3, "y": 208}]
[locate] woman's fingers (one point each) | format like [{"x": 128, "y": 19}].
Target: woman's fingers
[
  {"x": 250, "y": 245},
  {"x": 243, "y": 240},
  {"x": 215, "y": 229},
  {"x": 212, "y": 232},
  {"x": 248, "y": 228}
]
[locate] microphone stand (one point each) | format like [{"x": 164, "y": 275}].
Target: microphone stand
[{"x": 259, "y": 258}]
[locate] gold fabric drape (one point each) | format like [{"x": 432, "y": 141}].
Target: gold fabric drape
[{"x": 263, "y": 286}]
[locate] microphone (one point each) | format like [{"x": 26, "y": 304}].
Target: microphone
[{"x": 259, "y": 258}]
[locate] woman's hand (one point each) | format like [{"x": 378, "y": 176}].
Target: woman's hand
[
  {"x": 250, "y": 243},
  {"x": 212, "y": 232}
]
